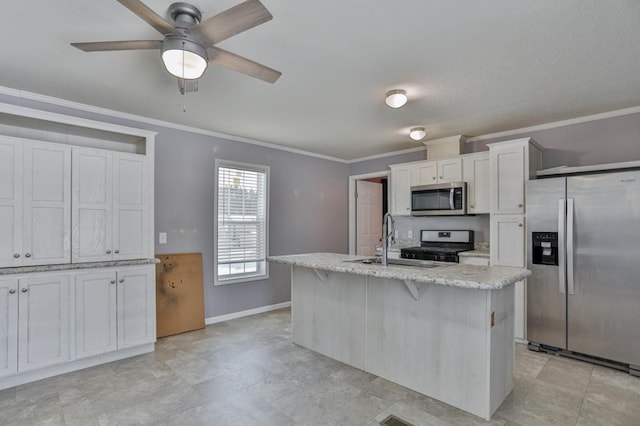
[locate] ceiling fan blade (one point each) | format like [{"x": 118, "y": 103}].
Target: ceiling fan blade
[
  {"x": 148, "y": 15},
  {"x": 238, "y": 63},
  {"x": 187, "y": 86},
  {"x": 231, "y": 22},
  {"x": 101, "y": 46}
]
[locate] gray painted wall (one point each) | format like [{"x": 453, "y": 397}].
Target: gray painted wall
[{"x": 308, "y": 204}]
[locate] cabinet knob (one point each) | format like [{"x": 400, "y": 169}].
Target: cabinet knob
[
  {"x": 24, "y": 289},
  {"x": 12, "y": 291},
  {"x": 27, "y": 255},
  {"x": 519, "y": 205},
  {"x": 434, "y": 178},
  {"x": 407, "y": 208},
  {"x": 121, "y": 280},
  {"x": 16, "y": 255},
  {"x": 112, "y": 281},
  {"x": 108, "y": 251},
  {"x": 440, "y": 177},
  {"x": 473, "y": 206},
  {"x": 519, "y": 225},
  {"x": 117, "y": 251}
]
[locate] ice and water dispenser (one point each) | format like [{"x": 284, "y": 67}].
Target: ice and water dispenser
[{"x": 544, "y": 248}]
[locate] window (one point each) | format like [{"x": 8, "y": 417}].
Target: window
[{"x": 241, "y": 222}]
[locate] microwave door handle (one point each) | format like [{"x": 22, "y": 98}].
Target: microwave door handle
[{"x": 451, "y": 205}]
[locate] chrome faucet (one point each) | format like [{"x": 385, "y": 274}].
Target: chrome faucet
[{"x": 387, "y": 234}]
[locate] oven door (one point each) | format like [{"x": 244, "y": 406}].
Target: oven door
[{"x": 446, "y": 199}]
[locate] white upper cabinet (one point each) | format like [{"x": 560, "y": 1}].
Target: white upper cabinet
[
  {"x": 475, "y": 172},
  {"x": 110, "y": 206},
  {"x": 512, "y": 163},
  {"x": 400, "y": 188},
  {"x": 35, "y": 202},
  {"x": 436, "y": 171}
]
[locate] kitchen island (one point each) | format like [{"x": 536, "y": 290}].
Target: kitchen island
[{"x": 445, "y": 330}]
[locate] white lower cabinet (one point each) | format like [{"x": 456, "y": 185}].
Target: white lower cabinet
[{"x": 52, "y": 319}]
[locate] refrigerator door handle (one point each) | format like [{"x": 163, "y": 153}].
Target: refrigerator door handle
[
  {"x": 562, "y": 230},
  {"x": 570, "y": 244}
]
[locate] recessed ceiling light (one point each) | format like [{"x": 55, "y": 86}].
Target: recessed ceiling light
[
  {"x": 396, "y": 98},
  {"x": 417, "y": 133}
]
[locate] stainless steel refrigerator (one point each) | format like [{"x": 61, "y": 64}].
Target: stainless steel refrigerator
[{"x": 584, "y": 251}]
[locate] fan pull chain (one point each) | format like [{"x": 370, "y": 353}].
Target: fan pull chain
[{"x": 184, "y": 82}]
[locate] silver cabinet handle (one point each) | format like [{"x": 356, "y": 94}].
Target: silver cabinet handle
[
  {"x": 12, "y": 291},
  {"x": 27, "y": 255},
  {"x": 108, "y": 251},
  {"x": 440, "y": 177},
  {"x": 519, "y": 205},
  {"x": 519, "y": 225},
  {"x": 112, "y": 281},
  {"x": 434, "y": 178},
  {"x": 117, "y": 251},
  {"x": 24, "y": 289},
  {"x": 16, "y": 255},
  {"x": 121, "y": 280}
]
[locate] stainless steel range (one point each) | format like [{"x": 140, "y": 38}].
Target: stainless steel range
[{"x": 442, "y": 246}]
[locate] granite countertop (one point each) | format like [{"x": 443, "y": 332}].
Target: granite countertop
[
  {"x": 451, "y": 274},
  {"x": 73, "y": 266},
  {"x": 474, "y": 253}
]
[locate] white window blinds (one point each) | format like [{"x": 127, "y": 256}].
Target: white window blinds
[{"x": 242, "y": 221}]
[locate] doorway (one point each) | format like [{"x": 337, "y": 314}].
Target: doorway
[{"x": 368, "y": 202}]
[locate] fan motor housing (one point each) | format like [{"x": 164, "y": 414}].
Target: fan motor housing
[{"x": 185, "y": 15}]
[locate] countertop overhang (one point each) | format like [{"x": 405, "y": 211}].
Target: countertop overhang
[{"x": 449, "y": 274}]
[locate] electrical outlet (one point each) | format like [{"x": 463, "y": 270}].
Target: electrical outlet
[
  {"x": 162, "y": 238},
  {"x": 410, "y": 234}
]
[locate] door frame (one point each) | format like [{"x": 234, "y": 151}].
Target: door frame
[{"x": 352, "y": 202}]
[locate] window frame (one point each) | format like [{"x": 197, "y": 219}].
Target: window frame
[{"x": 248, "y": 167}]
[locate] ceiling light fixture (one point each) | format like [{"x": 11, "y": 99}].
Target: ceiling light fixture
[
  {"x": 417, "y": 133},
  {"x": 396, "y": 98},
  {"x": 184, "y": 58}
]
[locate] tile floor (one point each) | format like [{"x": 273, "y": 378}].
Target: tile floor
[{"x": 246, "y": 372}]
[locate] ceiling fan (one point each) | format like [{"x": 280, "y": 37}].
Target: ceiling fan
[{"x": 189, "y": 44}]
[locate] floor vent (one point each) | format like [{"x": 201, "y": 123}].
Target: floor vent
[{"x": 394, "y": 421}]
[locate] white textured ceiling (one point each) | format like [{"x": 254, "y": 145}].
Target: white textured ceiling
[{"x": 470, "y": 67}]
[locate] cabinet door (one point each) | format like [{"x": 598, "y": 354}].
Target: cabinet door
[
  {"x": 475, "y": 171},
  {"x": 44, "y": 321},
  {"x": 91, "y": 215},
  {"x": 136, "y": 307},
  {"x": 507, "y": 179},
  {"x": 10, "y": 202},
  {"x": 95, "y": 313},
  {"x": 47, "y": 204},
  {"x": 424, "y": 173},
  {"x": 8, "y": 327},
  {"x": 130, "y": 207},
  {"x": 507, "y": 240},
  {"x": 520, "y": 311},
  {"x": 450, "y": 170},
  {"x": 400, "y": 191}
]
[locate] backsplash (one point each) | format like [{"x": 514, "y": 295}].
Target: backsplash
[{"x": 403, "y": 224}]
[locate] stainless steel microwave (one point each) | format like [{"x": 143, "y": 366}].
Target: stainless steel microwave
[{"x": 446, "y": 199}]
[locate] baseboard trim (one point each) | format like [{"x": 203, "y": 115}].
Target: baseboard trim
[{"x": 247, "y": 313}]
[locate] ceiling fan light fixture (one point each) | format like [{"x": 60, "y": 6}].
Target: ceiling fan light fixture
[
  {"x": 417, "y": 133},
  {"x": 396, "y": 98},
  {"x": 184, "y": 58}
]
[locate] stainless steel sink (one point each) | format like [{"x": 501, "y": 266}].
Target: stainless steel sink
[{"x": 428, "y": 264}]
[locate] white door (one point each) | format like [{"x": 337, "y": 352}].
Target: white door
[
  {"x": 400, "y": 189},
  {"x": 507, "y": 179},
  {"x": 130, "y": 196},
  {"x": 47, "y": 204},
  {"x": 475, "y": 171},
  {"x": 11, "y": 176},
  {"x": 8, "y": 327},
  {"x": 424, "y": 173},
  {"x": 450, "y": 170},
  {"x": 136, "y": 306},
  {"x": 44, "y": 321},
  {"x": 95, "y": 313},
  {"x": 92, "y": 202},
  {"x": 369, "y": 217}
]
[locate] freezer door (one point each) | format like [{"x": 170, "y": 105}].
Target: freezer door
[
  {"x": 546, "y": 287},
  {"x": 603, "y": 311}
]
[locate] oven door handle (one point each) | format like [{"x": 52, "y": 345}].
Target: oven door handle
[{"x": 451, "y": 205}]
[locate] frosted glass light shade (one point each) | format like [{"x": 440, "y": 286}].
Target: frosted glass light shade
[
  {"x": 417, "y": 133},
  {"x": 396, "y": 98},
  {"x": 184, "y": 58}
]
